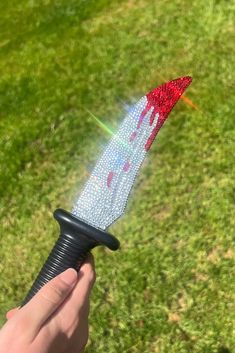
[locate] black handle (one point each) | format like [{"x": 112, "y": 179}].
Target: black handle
[{"x": 76, "y": 239}]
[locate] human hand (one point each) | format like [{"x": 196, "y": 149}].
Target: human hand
[{"x": 55, "y": 320}]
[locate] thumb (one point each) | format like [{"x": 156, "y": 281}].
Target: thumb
[{"x": 48, "y": 299}]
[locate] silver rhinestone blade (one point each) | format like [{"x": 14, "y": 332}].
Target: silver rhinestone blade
[{"x": 105, "y": 195}]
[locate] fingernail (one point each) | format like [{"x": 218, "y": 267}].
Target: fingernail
[{"x": 69, "y": 276}]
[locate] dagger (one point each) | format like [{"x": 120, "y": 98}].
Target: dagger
[{"x": 104, "y": 197}]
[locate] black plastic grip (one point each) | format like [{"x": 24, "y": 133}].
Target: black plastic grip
[{"x": 75, "y": 241}]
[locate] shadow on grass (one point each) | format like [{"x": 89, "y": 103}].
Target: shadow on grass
[{"x": 224, "y": 349}]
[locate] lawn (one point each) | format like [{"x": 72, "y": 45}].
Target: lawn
[{"x": 170, "y": 288}]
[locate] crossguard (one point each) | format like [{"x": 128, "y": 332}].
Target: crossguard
[{"x": 75, "y": 241}]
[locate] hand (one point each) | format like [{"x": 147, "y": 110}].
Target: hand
[{"x": 55, "y": 320}]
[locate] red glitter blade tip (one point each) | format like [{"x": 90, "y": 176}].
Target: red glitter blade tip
[
  {"x": 163, "y": 99},
  {"x": 165, "y": 96}
]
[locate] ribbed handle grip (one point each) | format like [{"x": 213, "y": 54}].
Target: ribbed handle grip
[
  {"x": 76, "y": 240},
  {"x": 65, "y": 254}
]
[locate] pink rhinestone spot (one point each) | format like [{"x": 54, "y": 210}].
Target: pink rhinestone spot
[
  {"x": 133, "y": 135},
  {"x": 109, "y": 179},
  {"x": 126, "y": 166}
]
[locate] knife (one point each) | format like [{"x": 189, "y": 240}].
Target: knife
[{"x": 104, "y": 197}]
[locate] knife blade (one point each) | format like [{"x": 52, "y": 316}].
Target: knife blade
[{"x": 104, "y": 197}]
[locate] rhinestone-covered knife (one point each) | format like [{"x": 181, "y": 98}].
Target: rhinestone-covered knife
[{"x": 106, "y": 192}]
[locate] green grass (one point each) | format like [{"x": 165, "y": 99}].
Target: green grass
[{"x": 171, "y": 286}]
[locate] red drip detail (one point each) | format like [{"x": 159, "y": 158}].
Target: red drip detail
[
  {"x": 151, "y": 120},
  {"x": 144, "y": 112},
  {"x": 126, "y": 166},
  {"x": 110, "y": 178},
  {"x": 133, "y": 135},
  {"x": 163, "y": 99}
]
